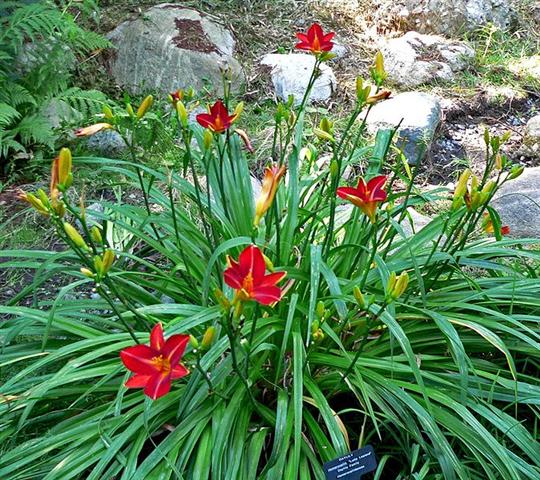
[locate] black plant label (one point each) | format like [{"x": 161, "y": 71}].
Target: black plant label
[{"x": 351, "y": 466}]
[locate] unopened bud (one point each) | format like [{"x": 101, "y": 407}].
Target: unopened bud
[
  {"x": 145, "y": 106},
  {"x": 269, "y": 264},
  {"x": 222, "y": 299},
  {"x": 74, "y": 236},
  {"x": 107, "y": 112},
  {"x": 87, "y": 273},
  {"x": 95, "y": 235},
  {"x": 334, "y": 168},
  {"x": 516, "y": 171},
  {"x": 321, "y": 309},
  {"x": 401, "y": 285},
  {"x": 182, "y": 113},
  {"x": 326, "y": 125},
  {"x": 108, "y": 260},
  {"x": 238, "y": 110},
  {"x": 208, "y": 139},
  {"x": 193, "y": 342},
  {"x": 208, "y": 337},
  {"x": 64, "y": 167},
  {"x": 359, "y": 296},
  {"x": 318, "y": 336},
  {"x": 129, "y": 110}
]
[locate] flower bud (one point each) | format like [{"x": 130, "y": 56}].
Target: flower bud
[
  {"x": 222, "y": 299},
  {"x": 378, "y": 74},
  {"x": 315, "y": 326},
  {"x": 401, "y": 285},
  {"x": 360, "y": 90},
  {"x": 318, "y": 336},
  {"x": 321, "y": 309},
  {"x": 208, "y": 337},
  {"x": 499, "y": 161},
  {"x": 359, "y": 296},
  {"x": 43, "y": 198},
  {"x": 87, "y": 273},
  {"x": 193, "y": 342},
  {"x": 95, "y": 235},
  {"x": 238, "y": 110},
  {"x": 145, "y": 106},
  {"x": 107, "y": 112},
  {"x": 516, "y": 171},
  {"x": 208, "y": 139},
  {"x": 292, "y": 119},
  {"x": 129, "y": 110},
  {"x": 334, "y": 168},
  {"x": 64, "y": 167},
  {"x": 108, "y": 260},
  {"x": 59, "y": 208},
  {"x": 269, "y": 264},
  {"x": 182, "y": 113},
  {"x": 326, "y": 125},
  {"x": 75, "y": 236},
  {"x": 34, "y": 203},
  {"x": 382, "y": 95},
  {"x": 461, "y": 188},
  {"x": 322, "y": 135}
]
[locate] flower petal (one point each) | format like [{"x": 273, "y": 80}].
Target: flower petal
[
  {"x": 205, "y": 120},
  {"x": 233, "y": 277},
  {"x": 271, "y": 279},
  {"x": 138, "y": 359},
  {"x": 179, "y": 371},
  {"x": 156, "y": 337},
  {"x": 251, "y": 260},
  {"x": 174, "y": 348},
  {"x": 267, "y": 295},
  {"x": 138, "y": 381},
  {"x": 157, "y": 386}
]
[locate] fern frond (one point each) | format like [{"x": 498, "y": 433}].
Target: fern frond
[
  {"x": 31, "y": 22},
  {"x": 88, "y": 102},
  {"x": 16, "y": 95},
  {"x": 8, "y": 114},
  {"x": 35, "y": 129}
]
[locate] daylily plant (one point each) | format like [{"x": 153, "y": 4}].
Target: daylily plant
[
  {"x": 247, "y": 277},
  {"x": 157, "y": 364},
  {"x": 366, "y": 196}
]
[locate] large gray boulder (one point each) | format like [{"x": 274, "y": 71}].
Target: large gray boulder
[
  {"x": 448, "y": 17},
  {"x": 170, "y": 47},
  {"x": 518, "y": 204},
  {"x": 417, "y": 58},
  {"x": 291, "y": 73},
  {"x": 420, "y": 115}
]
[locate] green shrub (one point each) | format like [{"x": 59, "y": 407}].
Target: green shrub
[
  {"x": 424, "y": 345},
  {"x": 40, "y": 43}
]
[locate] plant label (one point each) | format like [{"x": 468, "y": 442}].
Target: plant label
[{"x": 351, "y": 466}]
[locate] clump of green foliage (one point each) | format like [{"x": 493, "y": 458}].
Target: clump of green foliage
[{"x": 40, "y": 44}]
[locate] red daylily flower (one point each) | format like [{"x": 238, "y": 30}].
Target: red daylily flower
[
  {"x": 366, "y": 196},
  {"x": 157, "y": 364},
  {"x": 315, "y": 40},
  {"x": 247, "y": 277},
  {"x": 218, "y": 120}
]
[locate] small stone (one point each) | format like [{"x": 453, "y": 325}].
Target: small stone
[
  {"x": 420, "y": 115},
  {"x": 108, "y": 143},
  {"x": 291, "y": 73},
  {"x": 415, "y": 59}
]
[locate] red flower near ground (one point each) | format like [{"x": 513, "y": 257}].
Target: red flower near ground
[
  {"x": 366, "y": 196},
  {"x": 315, "y": 40},
  {"x": 157, "y": 364},
  {"x": 218, "y": 120},
  {"x": 247, "y": 277}
]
